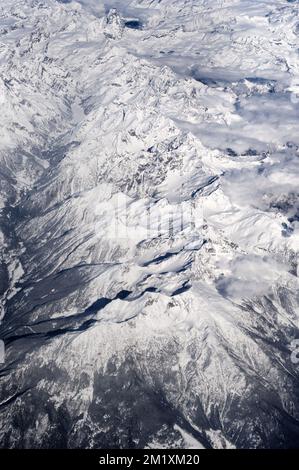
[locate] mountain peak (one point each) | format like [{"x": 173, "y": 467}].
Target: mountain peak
[{"x": 114, "y": 24}]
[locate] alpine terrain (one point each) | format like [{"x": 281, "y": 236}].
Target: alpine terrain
[{"x": 149, "y": 223}]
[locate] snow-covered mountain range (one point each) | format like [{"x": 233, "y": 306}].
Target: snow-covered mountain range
[{"x": 149, "y": 223}]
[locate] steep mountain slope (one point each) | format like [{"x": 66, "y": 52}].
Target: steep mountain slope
[{"x": 149, "y": 218}]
